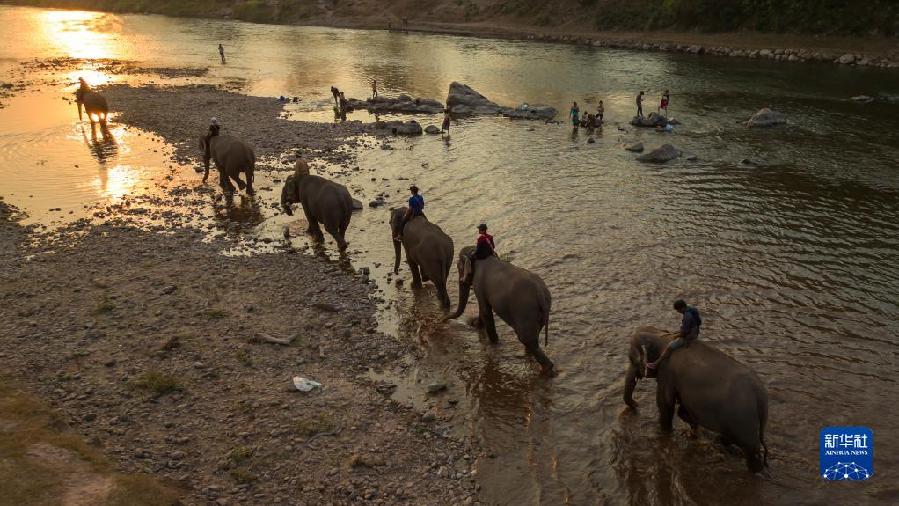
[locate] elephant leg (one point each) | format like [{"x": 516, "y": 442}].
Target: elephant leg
[
  {"x": 334, "y": 231},
  {"x": 250, "y": 190},
  {"x": 314, "y": 230},
  {"x": 416, "y": 272},
  {"x": 236, "y": 177},
  {"x": 685, "y": 416},
  {"x": 443, "y": 295},
  {"x": 529, "y": 335},
  {"x": 226, "y": 185},
  {"x": 486, "y": 316},
  {"x": 665, "y": 403}
]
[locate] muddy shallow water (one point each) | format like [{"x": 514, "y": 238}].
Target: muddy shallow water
[{"x": 793, "y": 258}]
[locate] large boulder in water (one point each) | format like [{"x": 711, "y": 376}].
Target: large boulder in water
[
  {"x": 526, "y": 111},
  {"x": 651, "y": 121},
  {"x": 400, "y": 127},
  {"x": 766, "y": 118},
  {"x": 662, "y": 154},
  {"x": 464, "y": 100},
  {"x": 432, "y": 130}
]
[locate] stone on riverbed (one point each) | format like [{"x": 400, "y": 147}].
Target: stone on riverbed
[
  {"x": 636, "y": 147},
  {"x": 402, "y": 103},
  {"x": 766, "y": 118},
  {"x": 526, "y": 111},
  {"x": 651, "y": 121},
  {"x": 400, "y": 127},
  {"x": 662, "y": 154},
  {"x": 432, "y": 130}
]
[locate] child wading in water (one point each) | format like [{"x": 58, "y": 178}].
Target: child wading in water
[
  {"x": 663, "y": 105},
  {"x": 600, "y": 109},
  {"x": 575, "y": 114}
]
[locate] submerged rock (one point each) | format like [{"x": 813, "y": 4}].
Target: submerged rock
[
  {"x": 400, "y": 127},
  {"x": 431, "y": 129},
  {"x": 662, "y": 154},
  {"x": 526, "y": 111},
  {"x": 651, "y": 121},
  {"x": 636, "y": 147},
  {"x": 766, "y": 118},
  {"x": 402, "y": 103}
]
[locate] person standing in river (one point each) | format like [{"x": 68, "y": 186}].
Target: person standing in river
[
  {"x": 575, "y": 114},
  {"x": 336, "y": 93},
  {"x": 689, "y": 331},
  {"x": 640, "y": 104},
  {"x": 374, "y": 88},
  {"x": 222, "y": 53},
  {"x": 663, "y": 104},
  {"x": 600, "y": 109},
  {"x": 446, "y": 121}
]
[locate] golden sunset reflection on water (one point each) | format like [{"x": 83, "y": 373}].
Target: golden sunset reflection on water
[{"x": 81, "y": 34}]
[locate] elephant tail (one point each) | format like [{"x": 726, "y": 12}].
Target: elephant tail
[
  {"x": 763, "y": 420},
  {"x": 545, "y": 330}
]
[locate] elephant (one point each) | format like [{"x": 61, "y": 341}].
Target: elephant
[
  {"x": 710, "y": 389},
  {"x": 429, "y": 251},
  {"x": 323, "y": 201},
  {"x": 232, "y": 156},
  {"x": 517, "y": 295},
  {"x": 94, "y": 105}
]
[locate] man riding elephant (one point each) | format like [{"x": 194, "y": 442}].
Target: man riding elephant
[
  {"x": 689, "y": 331},
  {"x": 416, "y": 208}
]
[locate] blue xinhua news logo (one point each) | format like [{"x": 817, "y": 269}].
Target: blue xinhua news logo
[{"x": 847, "y": 453}]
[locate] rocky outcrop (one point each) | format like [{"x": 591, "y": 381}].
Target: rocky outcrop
[
  {"x": 526, "y": 111},
  {"x": 400, "y": 127},
  {"x": 766, "y": 118},
  {"x": 663, "y": 154},
  {"x": 402, "y": 104},
  {"x": 463, "y": 100},
  {"x": 651, "y": 121}
]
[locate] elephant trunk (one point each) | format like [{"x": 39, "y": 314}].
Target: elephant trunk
[
  {"x": 285, "y": 201},
  {"x": 464, "y": 290},
  {"x": 630, "y": 382},
  {"x": 397, "y": 255}
]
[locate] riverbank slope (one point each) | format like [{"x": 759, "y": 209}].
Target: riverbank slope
[{"x": 867, "y": 30}]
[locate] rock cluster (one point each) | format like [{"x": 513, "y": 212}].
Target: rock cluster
[
  {"x": 401, "y": 104},
  {"x": 463, "y": 100}
]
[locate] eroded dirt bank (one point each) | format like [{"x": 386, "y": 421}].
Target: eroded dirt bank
[{"x": 149, "y": 345}]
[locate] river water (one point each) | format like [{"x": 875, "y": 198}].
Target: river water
[{"x": 793, "y": 258}]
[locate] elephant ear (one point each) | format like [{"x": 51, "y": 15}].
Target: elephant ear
[{"x": 465, "y": 269}]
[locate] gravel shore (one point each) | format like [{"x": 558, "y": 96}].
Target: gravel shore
[{"x": 152, "y": 347}]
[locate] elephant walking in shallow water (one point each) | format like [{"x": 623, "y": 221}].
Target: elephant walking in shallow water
[
  {"x": 323, "y": 201},
  {"x": 517, "y": 295},
  {"x": 429, "y": 251},
  {"x": 708, "y": 388},
  {"x": 94, "y": 105},
  {"x": 232, "y": 156}
]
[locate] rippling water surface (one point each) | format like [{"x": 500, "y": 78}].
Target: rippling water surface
[{"x": 793, "y": 259}]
